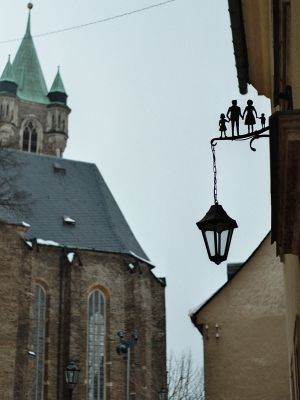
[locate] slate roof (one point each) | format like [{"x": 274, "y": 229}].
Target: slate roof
[{"x": 65, "y": 188}]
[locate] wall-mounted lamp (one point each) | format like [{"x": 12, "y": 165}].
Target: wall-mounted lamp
[
  {"x": 71, "y": 376},
  {"x": 217, "y": 331},
  {"x": 206, "y": 327}
]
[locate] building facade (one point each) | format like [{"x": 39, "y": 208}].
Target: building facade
[
  {"x": 72, "y": 273},
  {"x": 266, "y": 42},
  {"x": 243, "y": 326},
  {"x": 266, "y": 45}
]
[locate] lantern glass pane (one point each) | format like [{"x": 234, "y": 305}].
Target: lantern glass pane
[
  {"x": 223, "y": 240},
  {"x": 210, "y": 236},
  {"x": 71, "y": 376}
]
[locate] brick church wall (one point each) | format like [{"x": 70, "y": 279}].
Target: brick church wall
[{"x": 134, "y": 301}]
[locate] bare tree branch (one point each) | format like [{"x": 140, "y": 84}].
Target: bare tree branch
[
  {"x": 185, "y": 381},
  {"x": 11, "y": 197}
]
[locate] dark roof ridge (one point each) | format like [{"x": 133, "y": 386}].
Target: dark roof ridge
[{"x": 43, "y": 155}]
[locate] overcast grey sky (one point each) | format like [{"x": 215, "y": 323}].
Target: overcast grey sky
[{"x": 146, "y": 93}]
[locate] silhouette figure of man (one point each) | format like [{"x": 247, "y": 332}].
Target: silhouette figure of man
[{"x": 234, "y": 114}]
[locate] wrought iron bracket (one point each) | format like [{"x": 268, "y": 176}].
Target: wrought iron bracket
[{"x": 248, "y": 136}]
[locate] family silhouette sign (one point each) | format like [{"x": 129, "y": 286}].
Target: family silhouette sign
[{"x": 234, "y": 114}]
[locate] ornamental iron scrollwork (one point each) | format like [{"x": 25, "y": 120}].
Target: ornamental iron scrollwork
[{"x": 234, "y": 116}]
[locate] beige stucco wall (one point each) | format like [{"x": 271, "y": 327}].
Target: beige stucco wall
[
  {"x": 249, "y": 359},
  {"x": 292, "y": 279}
]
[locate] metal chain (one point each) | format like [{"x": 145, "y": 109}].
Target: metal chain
[{"x": 215, "y": 173}]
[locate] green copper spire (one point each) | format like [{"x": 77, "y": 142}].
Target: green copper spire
[
  {"x": 8, "y": 73},
  {"x": 57, "y": 85},
  {"x": 57, "y": 92},
  {"x": 28, "y": 30},
  {"x": 28, "y": 72}
]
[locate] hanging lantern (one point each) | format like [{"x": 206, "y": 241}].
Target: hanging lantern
[
  {"x": 71, "y": 374},
  {"x": 217, "y": 228}
]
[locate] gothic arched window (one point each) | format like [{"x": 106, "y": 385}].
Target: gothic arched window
[
  {"x": 30, "y": 137},
  {"x": 96, "y": 346},
  {"x": 26, "y": 139},
  {"x": 39, "y": 335}
]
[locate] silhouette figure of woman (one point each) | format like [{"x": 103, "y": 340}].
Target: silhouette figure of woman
[{"x": 250, "y": 119}]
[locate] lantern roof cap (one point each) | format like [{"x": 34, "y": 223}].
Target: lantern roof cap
[{"x": 216, "y": 215}]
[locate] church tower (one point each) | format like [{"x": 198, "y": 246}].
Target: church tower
[{"x": 31, "y": 118}]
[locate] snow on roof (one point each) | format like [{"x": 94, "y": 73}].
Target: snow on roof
[
  {"x": 70, "y": 257},
  {"x": 69, "y": 220},
  {"x": 131, "y": 266},
  {"x": 141, "y": 259},
  {"x": 47, "y": 242}
]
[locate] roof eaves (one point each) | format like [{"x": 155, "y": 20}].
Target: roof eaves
[
  {"x": 239, "y": 44},
  {"x": 193, "y": 313}
]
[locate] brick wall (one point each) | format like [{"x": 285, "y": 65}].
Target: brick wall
[{"x": 134, "y": 301}]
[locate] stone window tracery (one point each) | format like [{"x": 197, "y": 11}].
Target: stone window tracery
[
  {"x": 39, "y": 335},
  {"x": 30, "y": 137},
  {"x": 96, "y": 346}
]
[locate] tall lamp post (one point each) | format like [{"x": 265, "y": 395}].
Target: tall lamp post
[
  {"x": 124, "y": 347},
  {"x": 71, "y": 376}
]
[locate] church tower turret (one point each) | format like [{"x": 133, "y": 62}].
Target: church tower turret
[
  {"x": 57, "y": 117},
  {"x": 8, "y": 107},
  {"x": 31, "y": 118}
]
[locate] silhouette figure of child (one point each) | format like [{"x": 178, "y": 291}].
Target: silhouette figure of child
[
  {"x": 262, "y": 120},
  {"x": 222, "y": 125}
]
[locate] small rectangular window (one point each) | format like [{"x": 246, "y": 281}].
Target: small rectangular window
[
  {"x": 69, "y": 220},
  {"x": 58, "y": 169}
]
